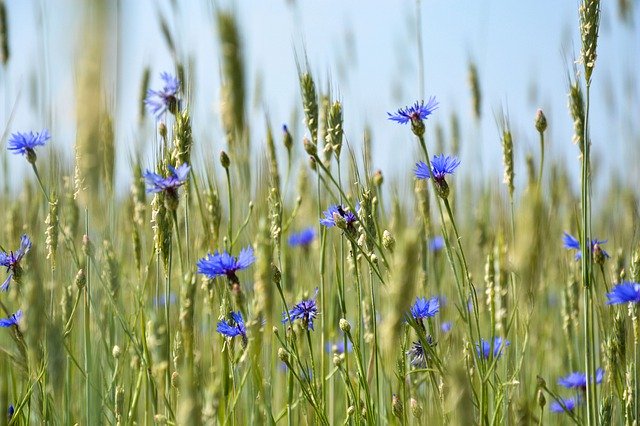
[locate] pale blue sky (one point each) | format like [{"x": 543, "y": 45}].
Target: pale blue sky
[{"x": 368, "y": 52}]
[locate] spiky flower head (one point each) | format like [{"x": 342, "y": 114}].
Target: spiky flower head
[
  {"x": 223, "y": 264},
  {"x": 441, "y": 166},
  {"x": 233, "y": 326},
  {"x": 11, "y": 260},
  {"x": 485, "y": 348},
  {"x": 625, "y": 292},
  {"x": 416, "y": 114},
  {"x": 572, "y": 243},
  {"x": 25, "y": 143},
  {"x": 578, "y": 380},
  {"x": 159, "y": 101},
  {"x": 12, "y": 319},
  {"x": 305, "y": 310},
  {"x": 425, "y": 308},
  {"x": 169, "y": 185}
]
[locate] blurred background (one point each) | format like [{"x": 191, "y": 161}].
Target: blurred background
[{"x": 70, "y": 57}]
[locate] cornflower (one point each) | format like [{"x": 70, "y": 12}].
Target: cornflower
[
  {"x": 159, "y": 101},
  {"x": 25, "y": 143},
  {"x": 11, "y": 261},
  {"x": 223, "y": 264},
  {"x": 305, "y": 310}
]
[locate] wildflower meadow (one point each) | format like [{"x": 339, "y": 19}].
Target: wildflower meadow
[{"x": 271, "y": 272}]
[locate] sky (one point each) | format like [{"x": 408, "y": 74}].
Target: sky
[{"x": 368, "y": 57}]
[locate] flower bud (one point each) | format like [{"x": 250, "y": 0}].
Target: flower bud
[
  {"x": 388, "y": 241},
  {"x": 344, "y": 325},
  {"x": 224, "y": 160},
  {"x": 396, "y": 406},
  {"x": 116, "y": 352},
  {"x": 416, "y": 408},
  {"x": 81, "y": 279},
  {"x": 541, "y": 121},
  {"x": 283, "y": 355},
  {"x": 378, "y": 178},
  {"x": 309, "y": 147},
  {"x": 542, "y": 401},
  {"x": 162, "y": 130},
  {"x": 287, "y": 139}
]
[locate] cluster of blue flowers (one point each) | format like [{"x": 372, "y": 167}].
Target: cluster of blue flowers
[
  {"x": 576, "y": 381},
  {"x": 11, "y": 260}
]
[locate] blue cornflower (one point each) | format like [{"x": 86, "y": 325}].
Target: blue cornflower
[
  {"x": 338, "y": 347},
  {"x": 572, "y": 243},
  {"x": 578, "y": 380},
  {"x": 25, "y": 143},
  {"x": 446, "y": 326},
  {"x": 233, "y": 327},
  {"x": 485, "y": 348},
  {"x": 12, "y": 319},
  {"x": 339, "y": 213},
  {"x": 306, "y": 311},
  {"x": 158, "y": 101},
  {"x": 569, "y": 403},
  {"x": 158, "y": 183},
  {"x": 10, "y": 412},
  {"x": 623, "y": 293},
  {"x": 425, "y": 308},
  {"x": 436, "y": 243},
  {"x": 303, "y": 238},
  {"x": 11, "y": 261},
  {"x": 417, "y": 112},
  {"x": 219, "y": 264},
  {"x": 441, "y": 165}
]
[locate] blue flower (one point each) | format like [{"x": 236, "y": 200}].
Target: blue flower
[
  {"x": 485, "y": 348},
  {"x": 569, "y": 403},
  {"x": 623, "y": 293},
  {"x": 338, "y": 347},
  {"x": 417, "y": 112},
  {"x": 158, "y": 183},
  {"x": 424, "y": 308},
  {"x": 441, "y": 165},
  {"x": 25, "y": 143},
  {"x": 306, "y": 311},
  {"x": 436, "y": 243},
  {"x": 577, "y": 380},
  {"x": 302, "y": 238},
  {"x": 336, "y": 212},
  {"x": 572, "y": 243},
  {"x": 12, "y": 260},
  {"x": 10, "y": 412},
  {"x": 233, "y": 327},
  {"x": 158, "y": 101},
  {"x": 219, "y": 264},
  {"x": 162, "y": 300},
  {"x": 12, "y": 319},
  {"x": 446, "y": 326}
]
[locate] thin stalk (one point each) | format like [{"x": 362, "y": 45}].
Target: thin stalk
[
  {"x": 87, "y": 331},
  {"x": 230, "y": 223},
  {"x": 586, "y": 260}
]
